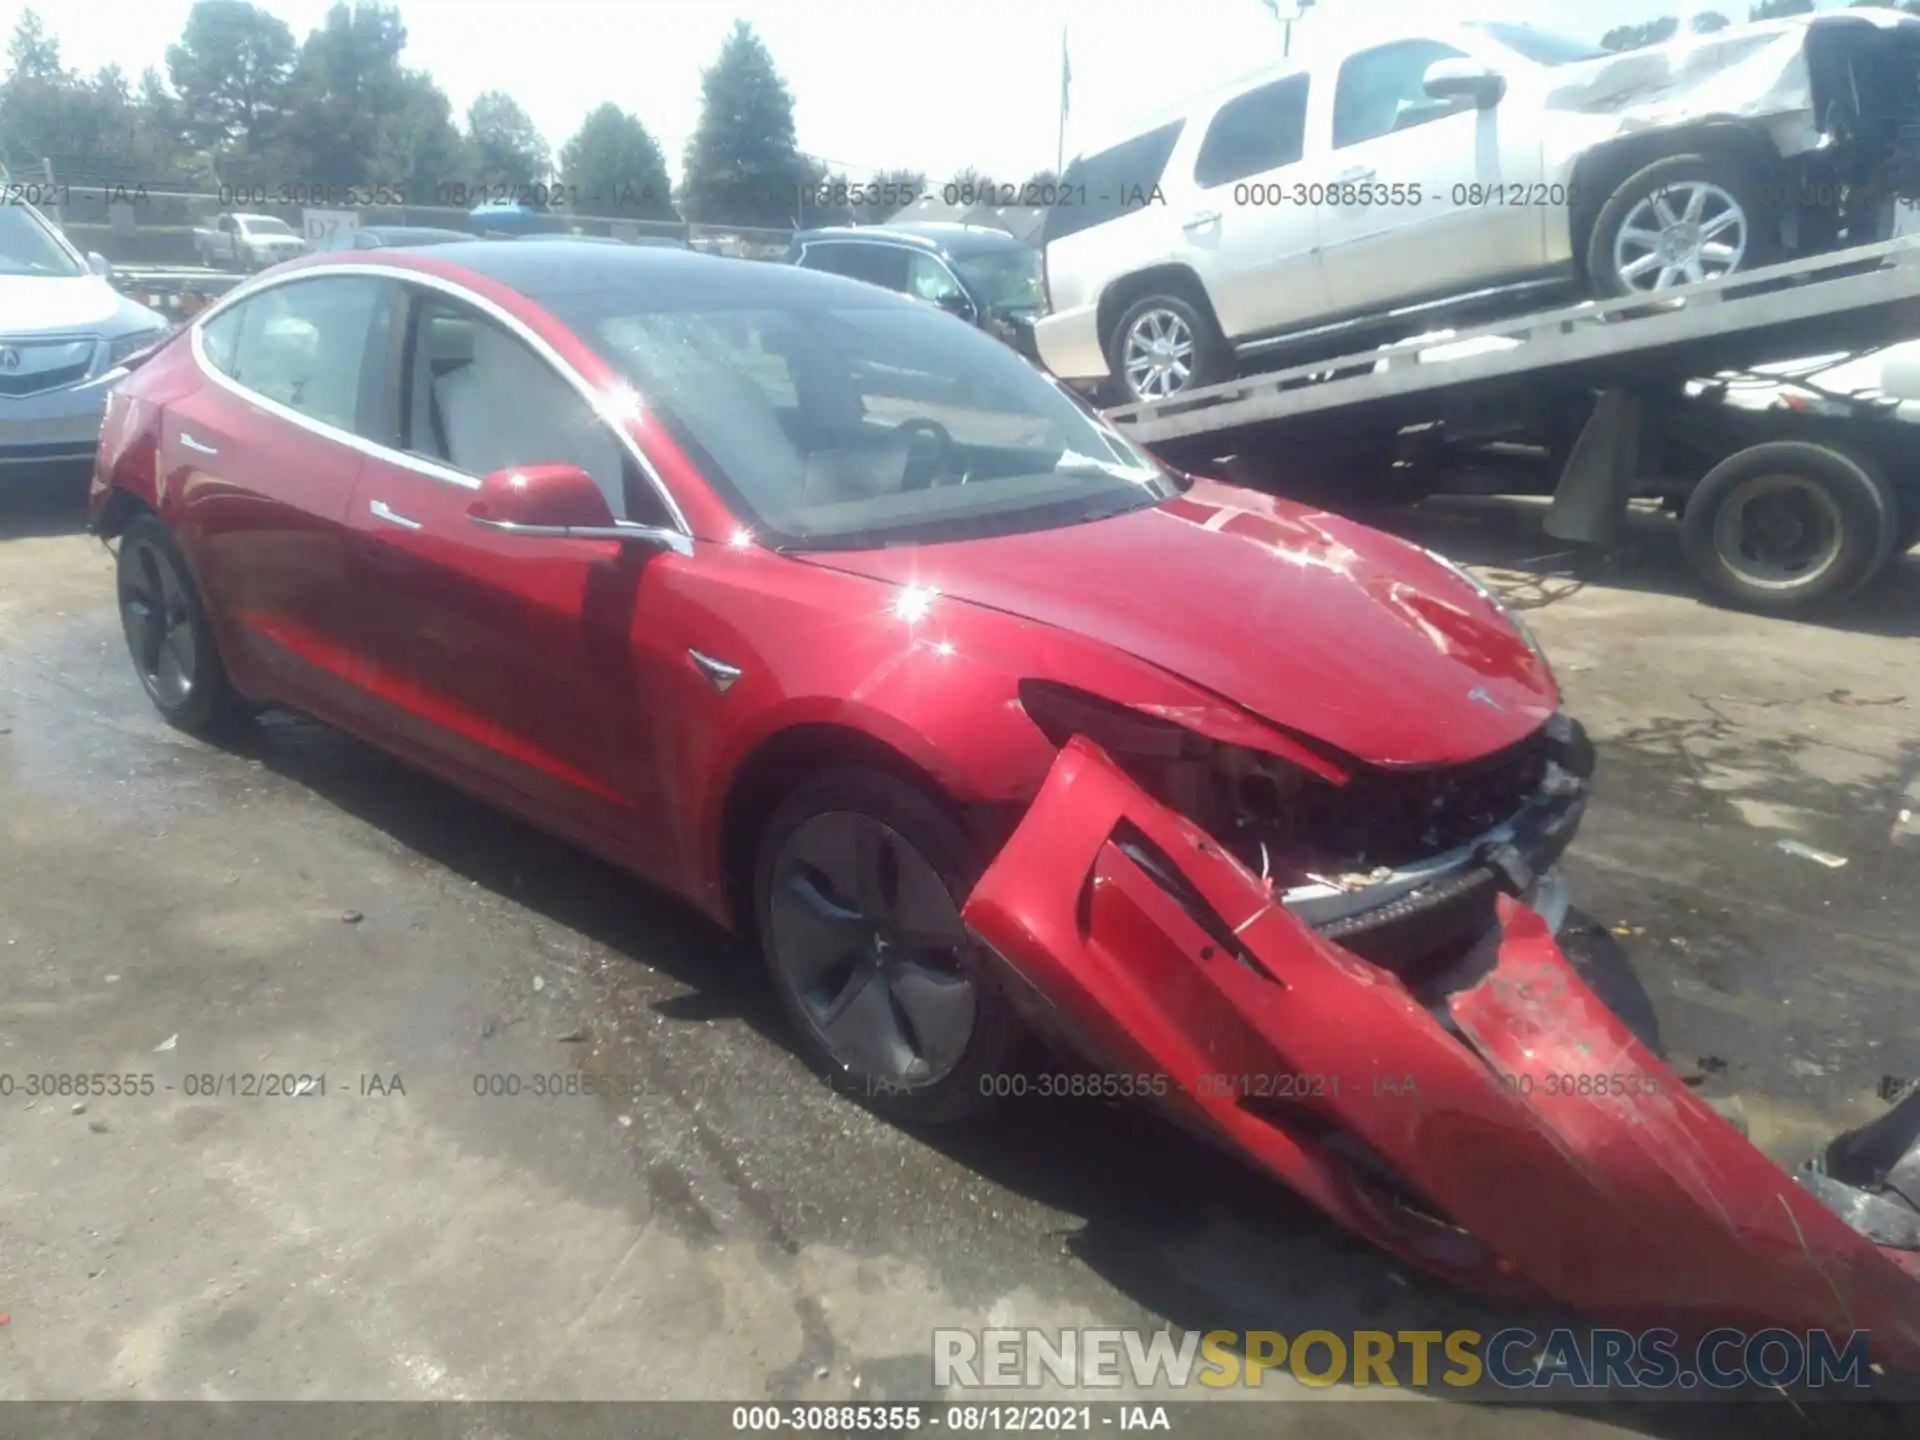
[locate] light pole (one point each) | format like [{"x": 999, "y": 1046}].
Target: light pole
[{"x": 1300, "y": 9}]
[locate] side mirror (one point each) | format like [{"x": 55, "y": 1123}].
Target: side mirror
[
  {"x": 955, "y": 302},
  {"x": 99, "y": 264},
  {"x": 559, "y": 502},
  {"x": 1459, "y": 78}
]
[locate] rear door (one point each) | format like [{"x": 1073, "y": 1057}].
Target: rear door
[
  {"x": 264, "y": 458},
  {"x": 529, "y": 667},
  {"x": 1254, "y": 243}
]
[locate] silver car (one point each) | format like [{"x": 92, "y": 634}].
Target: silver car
[{"x": 65, "y": 335}]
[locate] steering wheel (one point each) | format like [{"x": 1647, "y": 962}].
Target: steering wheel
[{"x": 929, "y": 450}]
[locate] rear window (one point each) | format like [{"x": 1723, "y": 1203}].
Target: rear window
[
  {"x": 1104, "y": 186},
  {"x": 1261, "y": 130}
]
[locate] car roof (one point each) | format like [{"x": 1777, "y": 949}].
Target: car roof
[
  {"x": 560, "y": 267},
  {"x": 945, "y": 235}
]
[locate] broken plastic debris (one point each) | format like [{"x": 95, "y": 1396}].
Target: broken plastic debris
[
  {"x": 352, "y": 917},
  {"x": 80, "y": 1108},
  {"x": 1807, "y": 852},
  {"x": 167, "y": 1044},
  {"x": 626, "y": 1121},
  {"x": 538, "y": 983}
]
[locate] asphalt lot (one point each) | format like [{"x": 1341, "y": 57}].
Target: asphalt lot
[{"x": 300, "y": 905}]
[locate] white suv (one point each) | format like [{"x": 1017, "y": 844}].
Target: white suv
[{"x": 1467, "y": 167}]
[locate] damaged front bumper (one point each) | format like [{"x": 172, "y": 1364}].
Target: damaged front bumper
[{"x": 1491, "y": 1121}]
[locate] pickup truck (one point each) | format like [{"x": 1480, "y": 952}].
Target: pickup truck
[{"x": 247, "y": 242}]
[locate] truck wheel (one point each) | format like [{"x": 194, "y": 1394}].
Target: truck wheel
[
  {"x": 1679, "y": 221},
  {"x": 1164, "y": 345},
  {"x": 1786, "y": 525}
]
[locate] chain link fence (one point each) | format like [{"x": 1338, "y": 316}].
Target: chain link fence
[{"x": 133, "y": 223}]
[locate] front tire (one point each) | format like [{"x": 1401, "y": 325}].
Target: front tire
[
  {"x": 857, "y": 893},
  {"x": 1788, "y": 525},
  {"x": 1164, "y": 346},
  {"x": 167, "y": 633},
  {"x": 1680, "y": 221}
]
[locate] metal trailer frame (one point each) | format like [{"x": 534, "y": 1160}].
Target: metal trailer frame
[{"x": 1633, "y": 354}]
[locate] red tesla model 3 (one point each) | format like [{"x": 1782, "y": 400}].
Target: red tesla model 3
[{"x": 831, "y": 613}]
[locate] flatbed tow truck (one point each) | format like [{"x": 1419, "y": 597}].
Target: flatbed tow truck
[{"x": 1804, "y": 499}]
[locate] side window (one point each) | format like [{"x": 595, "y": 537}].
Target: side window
[
  {"x": 1255, "y": 132},
  {"x": 312, "y": 345},
  {"x": 882, "y": 265},
  {"x": 1384, "y": 90},
  {"x": 928, "y": 278},
  {"x": 479, "y": 399},
  {"x": 1104, "y": 186},
  {"x": 218, "y": 337},
  {"x": 225, "y": 222}
]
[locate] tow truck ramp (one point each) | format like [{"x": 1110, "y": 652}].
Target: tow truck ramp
[{"x": 1842, "y": 301}]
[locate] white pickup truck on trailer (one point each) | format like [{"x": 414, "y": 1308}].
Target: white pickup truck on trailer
[{"x": 1791, "y": 494}]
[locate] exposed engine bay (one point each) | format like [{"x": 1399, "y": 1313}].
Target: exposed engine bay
[{"x": 1402, "y": 867}]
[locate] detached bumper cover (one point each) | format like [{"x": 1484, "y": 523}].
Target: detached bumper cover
[{"x": 1501, "y": 1128}]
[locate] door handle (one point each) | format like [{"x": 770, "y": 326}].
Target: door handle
[
  {"x": 193, "y": 444},
  {"x": 381, "y": 511},
  {"x": 1202, "y": 219}
]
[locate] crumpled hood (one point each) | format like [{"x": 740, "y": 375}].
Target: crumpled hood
[
  {"x": 58, "y": 305},
  {"x": 1318, "y": 625},
  {"x": 1753, "y": 72}
]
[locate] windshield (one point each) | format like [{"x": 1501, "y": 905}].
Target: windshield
[
  {"x": 264, "y": 225},
  {"x": 841, "y": 425},
  {"x": 1005, "y": 279},
  {"x": 28, "y": 245},
  {"x": 1540, "y": 46}
]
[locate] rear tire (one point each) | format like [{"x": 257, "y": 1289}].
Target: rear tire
[
  {"x": 857, "y": 894},
  {"x": 1788, "y": 525},
  {"x": 1740, "y": 233},
  {"x": 168, "y": 637},
  {"x": 1164, "y": 346}
]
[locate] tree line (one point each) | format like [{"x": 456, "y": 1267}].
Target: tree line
[
  {"x": 1658, "y": 32},
  {"x": 239, "y": 102}
]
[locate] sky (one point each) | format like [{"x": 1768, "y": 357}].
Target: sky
[{"x": 876, "y": 83}]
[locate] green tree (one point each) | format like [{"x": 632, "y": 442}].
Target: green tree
[
  {"x": 232, "y": 70},
  {"x": 1776, "y": 9},
  {"x": 507, "y": 148},
  {"x": 347, "y": 89},
  {"x": 823, "y": 195},
  {"x": 970, "y": 186},
  {"x": 419, "y": 149},
  {"x": 887, "y": 194},
  {"x": 614, "y": 167},
  {"x": 33, "y": 54},
  {"x": 1039, "y": 188},
  {"x": 742, "y": 164},
  {"x": 1912, "y": 7}
]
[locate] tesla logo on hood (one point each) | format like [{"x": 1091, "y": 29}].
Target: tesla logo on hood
[
  {"x": 1478, "y": 693},
  {"x": 9, "y": 358}
]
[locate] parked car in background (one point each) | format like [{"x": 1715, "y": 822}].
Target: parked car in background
[
  {"x": 65, "y": 335},
  {"x": 1380, "y": 181},
  {"x": 983, "y": 275},
  {"x": 389, "y": 237},
  {"x": 248, "y": 242}
]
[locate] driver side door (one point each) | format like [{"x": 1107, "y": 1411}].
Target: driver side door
[
  {"x": 530, "y": 668},
  {"x": 1386, "y": 135}
]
